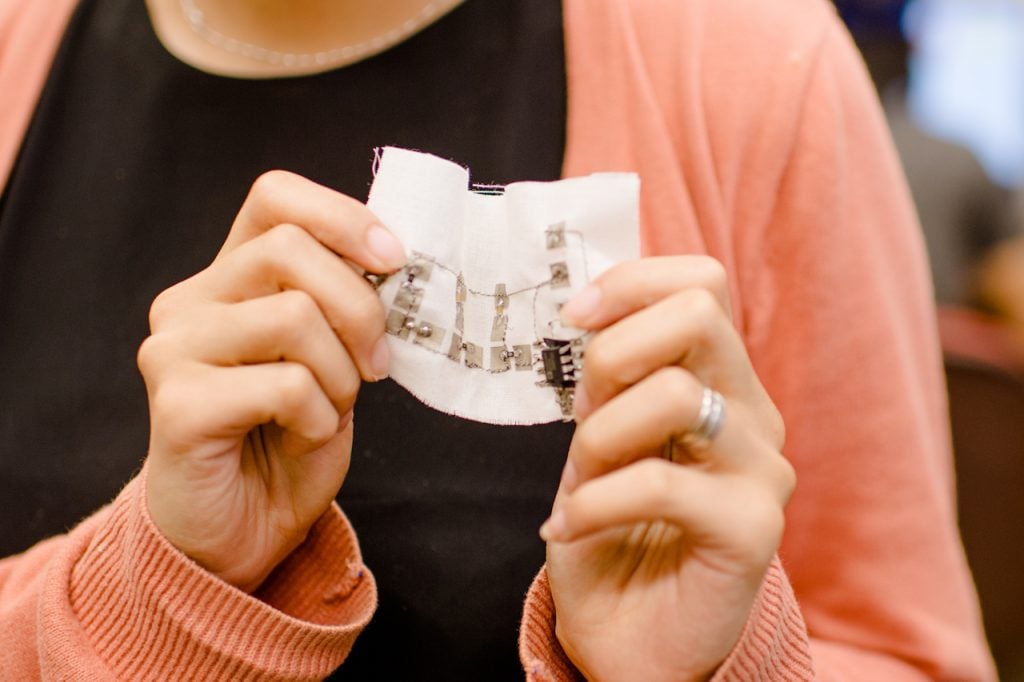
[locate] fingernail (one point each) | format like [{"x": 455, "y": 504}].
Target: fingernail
[
  {"x": 569, "y": 477},
  {"x": 580, "y": 403},
  {"x": 386, "y": 248},
  {"x": 554, "y": 529},
  {"x": 380, "y": 359},
  {"x": 582, "y": 306}
]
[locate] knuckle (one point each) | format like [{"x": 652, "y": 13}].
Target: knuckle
[
  {"x": 280, "y": 248},
  {"x": 677, "y": 387},
  {"x": 591, "y": 453},
  {"x": 702, "y": 305},
  {"x": 588, "y": 444},
  {"x": 325, "y": 427},
  {"x": 716, "y": 278},
  {"x": 656, "y": 480},
  {"x": 599, "y": 355},
  {"x": 150, "y": 356},
  {"x": 603, "y": 461},
  {"x": 350, "y": 385},
  {"x": 172, "y": 402},
  {"x": 785, "y": 478},
  {"x": 285, "y": 239},
  {"x": 342, "y": 387},
  {"x": 295, "y": 385},
  {"x": 604, "y": 365},
  {"x": 295, "y": 311},
  {"x": 163, "y": 306},
  {"x": 269, "y": 185},
  {"x": 756, "y": 529}
]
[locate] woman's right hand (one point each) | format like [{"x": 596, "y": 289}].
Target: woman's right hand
[{"x": 252, "y": 371}]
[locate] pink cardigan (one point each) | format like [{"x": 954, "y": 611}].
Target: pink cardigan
[{"x": 759, "y": 142}]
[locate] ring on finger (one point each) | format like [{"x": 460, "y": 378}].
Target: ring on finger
[{"x": 705, "y": 427}]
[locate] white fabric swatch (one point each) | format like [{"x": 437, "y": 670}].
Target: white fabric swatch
[{"x": 510, "y": 238}]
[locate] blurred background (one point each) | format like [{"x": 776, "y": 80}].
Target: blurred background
[{"x": 950, "y": 75}]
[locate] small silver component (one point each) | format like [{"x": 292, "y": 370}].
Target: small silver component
[
  {"x": 500, "y": 359},
  {"x": 408, "y": 297},
  {"x": 566, "y": 400},
  {"x": 455, "y": 349},
  {"x": 474, "y": 355},
  {"x": 429, "y": 336},
  {"x": 460, "y": 289},
  {"x": 554, "y": 235},
  {"x": 523, "y": 357},
  {"x": 500, "y": 298},
  {"x": 499, "y": 327},
  {"x": 419, "y": 269},
  {"x": 396, "y": 323},
  {"x": 460, "y": 303},
  {"x": 559, "y": 275}
]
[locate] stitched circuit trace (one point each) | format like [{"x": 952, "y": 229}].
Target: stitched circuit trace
[{"x": 554, "y": 352}]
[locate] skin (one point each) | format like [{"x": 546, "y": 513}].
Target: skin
[{"x": 286, "y": 26}]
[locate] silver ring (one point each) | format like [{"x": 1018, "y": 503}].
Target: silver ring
[{"x": 708, "y": 423}]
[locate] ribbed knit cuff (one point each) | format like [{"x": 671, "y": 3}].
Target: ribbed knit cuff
[
  {"x": 541, "y": 654},
  {"x": 774, "y": 645},
  {"x": 153, "y": 614}
]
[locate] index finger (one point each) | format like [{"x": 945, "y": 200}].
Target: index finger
[
  {"x": 340, "y": 222},
  {"x": 634, "y": 285}
]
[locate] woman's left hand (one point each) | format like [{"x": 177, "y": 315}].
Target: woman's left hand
[{"x": 655, "y": 562}]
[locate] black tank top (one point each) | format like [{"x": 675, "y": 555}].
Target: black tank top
[{"x": 127, "y": 182}]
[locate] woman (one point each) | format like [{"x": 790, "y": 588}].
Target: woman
[{"x": 782, "y": 263}]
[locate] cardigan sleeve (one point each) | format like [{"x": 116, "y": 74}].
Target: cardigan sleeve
[
  {"x": 114, "y": 600},
  {"x": 773, "y": 646}
]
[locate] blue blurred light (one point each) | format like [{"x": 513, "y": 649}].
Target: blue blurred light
[{"x": 967, "y": 78}]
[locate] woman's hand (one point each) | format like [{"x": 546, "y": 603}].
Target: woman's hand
[
  {"x": 654, "y": 562},
  {"x": 252, "y": 371}
]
